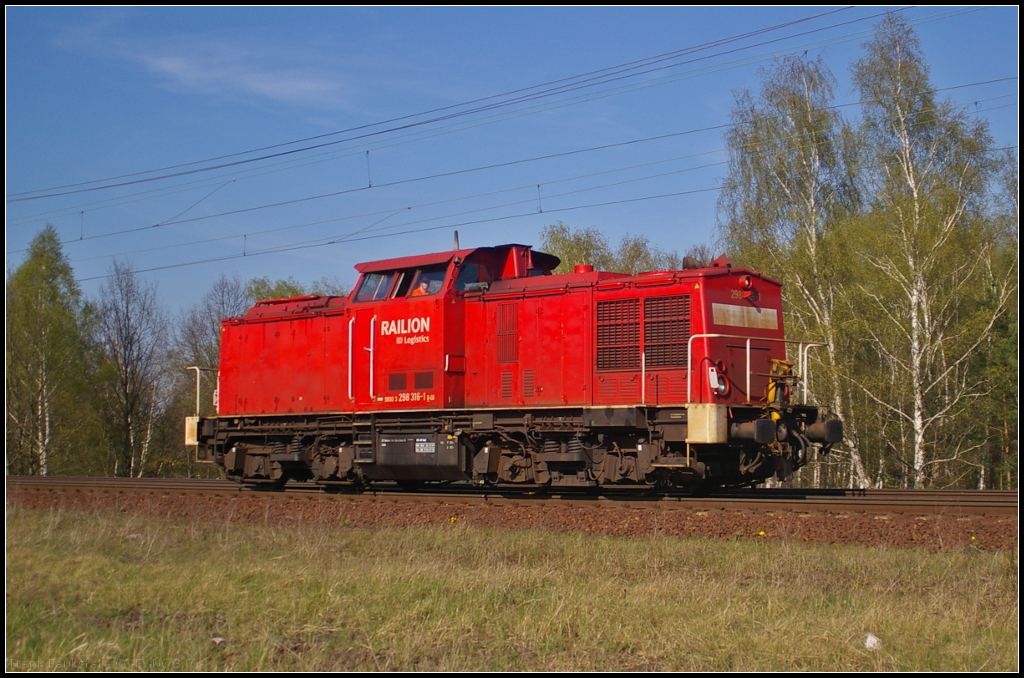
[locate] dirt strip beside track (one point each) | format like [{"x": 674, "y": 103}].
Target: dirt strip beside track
[{"x": 934, "y": 532}]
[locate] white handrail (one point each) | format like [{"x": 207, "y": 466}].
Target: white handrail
[
  {"x": 373, "y": 346},
  {"x": 351, "y": 334},
  {"x": 643, "y": 377},
  {"x": 199, "y": 371},
  {"x": 804, "y": 348}
]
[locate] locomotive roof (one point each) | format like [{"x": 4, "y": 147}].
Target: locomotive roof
[
  {"x": 539, "y": 259},
  {"x": 412, "y": 262}
]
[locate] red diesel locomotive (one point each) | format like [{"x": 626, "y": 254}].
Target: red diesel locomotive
[{"x": 481, "y": 365}]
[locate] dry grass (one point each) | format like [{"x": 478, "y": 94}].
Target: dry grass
[{"x": 120, "y": 591}]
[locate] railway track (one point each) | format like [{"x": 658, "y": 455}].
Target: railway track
[
  {"x": 995, "y": 503},
  {"x": 929, "y": 519}
]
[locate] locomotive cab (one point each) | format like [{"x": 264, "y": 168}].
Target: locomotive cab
[{"x": 409, "y": 316}]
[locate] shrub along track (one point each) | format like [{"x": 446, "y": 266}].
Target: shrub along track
[{"x": 927, "y": 519}]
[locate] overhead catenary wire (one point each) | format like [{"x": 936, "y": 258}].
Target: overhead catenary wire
[
  {"x": 288, "y": 248},
  {"x": 334, "y": 240},
  {"x": 434, "y": 203},
  {"x": 461, "y": 126},
  {"x": 176, "y": 220},
  {"x": 577, "y": 80},
  {"x": 545, "y": 93},
  {"x": 351, "y": 236}
]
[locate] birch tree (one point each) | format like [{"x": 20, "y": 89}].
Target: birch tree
[
  {"x": 636, "y": 255},
  {"x": 133, "y": 336},
  {"x": 44, "y": 359},
  {"x": 198, "y": 339},
  {"x": 197, "y": 342},
  {"x": 789, "y": 192},
  {"x": 577, "y": 246},
  {"x": 931, "y": 304}
]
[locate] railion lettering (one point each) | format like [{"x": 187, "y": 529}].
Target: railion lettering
[{"x": 404, "y": 326}]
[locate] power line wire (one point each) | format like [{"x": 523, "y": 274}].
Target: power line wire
[
  {"x": 417, "y": 230},
  {"x": 555, "y": 86},
  {"x": 511, "y": 163},
  {"x": 320, "y": 242},
  {"x": 459, "y": 127}
]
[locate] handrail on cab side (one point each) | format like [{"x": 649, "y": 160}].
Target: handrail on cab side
[
  {"x": 199, "y": 371},
  {"x": 802, "y": 359}
]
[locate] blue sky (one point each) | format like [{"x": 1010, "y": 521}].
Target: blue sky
[{"x": 174, "y": 103}]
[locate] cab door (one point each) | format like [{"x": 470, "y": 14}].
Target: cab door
[
  {"x": 363, "y": 386},
  {"x": 364, "y": 337},
  {"x": 454, "y": 365}
]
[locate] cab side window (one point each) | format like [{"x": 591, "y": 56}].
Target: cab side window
[
  {"x": 404, "y": 282},
  {"x": 428, "y": 281},
  {"x": 473, "y": 277},
  {"x": 375, "y": 286}
]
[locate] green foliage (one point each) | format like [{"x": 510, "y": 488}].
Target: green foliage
[
  {"x": 45, "y": 361},
  {"x": 574, "y": 247},
  {"x": 262, "y": 288},
  {"x": 893, "y": 250},
  {"x": 329, "y": 287},
  {"x": 786, "y": 204},
  {"x": 999, "y": 358},
  {"x": 929, "y": 284},
  {"x": 636, "y": 254},
  {"x": 791, "y": 169}
]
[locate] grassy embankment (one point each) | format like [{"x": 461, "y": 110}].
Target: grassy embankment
[{"x": 121, "y": 591}]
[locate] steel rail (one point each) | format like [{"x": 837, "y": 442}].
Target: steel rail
[{"x": 800, "y": 500}]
